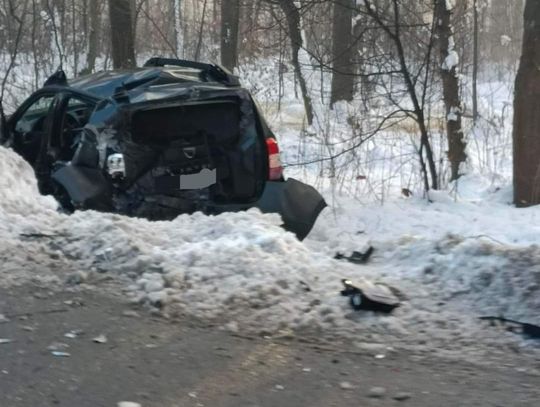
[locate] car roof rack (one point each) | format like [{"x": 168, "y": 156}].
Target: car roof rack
[{"x": 208, "y": 71}]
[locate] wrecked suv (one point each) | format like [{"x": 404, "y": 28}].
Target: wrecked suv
[{"x": 170, "y": 138}]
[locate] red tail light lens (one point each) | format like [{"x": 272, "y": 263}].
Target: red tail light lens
[{"x": 274, "y": 160}]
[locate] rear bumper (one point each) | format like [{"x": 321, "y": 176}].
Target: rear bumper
[{"x": 298, "y": 204}]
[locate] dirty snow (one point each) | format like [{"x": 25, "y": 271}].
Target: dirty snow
[
  {"x": 469, "y": 253},
  {"x": 453, "y": 260}
]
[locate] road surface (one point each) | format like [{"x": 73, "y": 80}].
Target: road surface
[{"x": 158, "y": 363}]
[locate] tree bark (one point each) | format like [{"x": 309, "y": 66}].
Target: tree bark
[
  {"x": 450, "y": 84},
  {"x": 230, "y": 20},
  {"x": 122, "y": 38},
  {"x": 526, "y": 135},
  {"x": 475, "y": 62},
  {"x": 178, "y": 32},
  {"x": 93, "y": 37},
  {"x": 342, "y": 52},
  {"x": 201, "y": 32},
  {"x": 292, "y": 14}
]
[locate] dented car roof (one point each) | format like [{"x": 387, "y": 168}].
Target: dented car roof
[{"x": 159, "y": 76}]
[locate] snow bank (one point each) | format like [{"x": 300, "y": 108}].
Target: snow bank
[
  {"x": 243, "y": 272},
  {"x": 21, "y": 202}
]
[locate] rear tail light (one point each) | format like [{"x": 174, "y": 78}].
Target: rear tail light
[{"x": 274, "y": 161}]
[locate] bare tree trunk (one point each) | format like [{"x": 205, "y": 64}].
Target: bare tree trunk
[
  {"x": 122, "y": 39},
  {"x": 93, "y": 37},
  {"x": 34, "y": 36},
  {"x": 178, "y": 34},
  {"x": 201, "y": 33},
  {"x": 475, "y": 62},
  {"x": 526, "y": 135},
  {"x": 292, "y": 15},
  {"x": 342, "y": 66},
  {"x": 450, "y": 82},
  {"x": 230, "y": 20},
  {"x": 54, "y": 16},
  {"x": 418, "y": 101}
]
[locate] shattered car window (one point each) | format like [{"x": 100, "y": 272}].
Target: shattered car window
[{"x": 33, "y": 114}]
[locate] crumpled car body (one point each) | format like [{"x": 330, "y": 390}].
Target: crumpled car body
[{"x": 171, "y": 138}]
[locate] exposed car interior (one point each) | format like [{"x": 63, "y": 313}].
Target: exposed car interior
[{"x": 150, "y": 143}]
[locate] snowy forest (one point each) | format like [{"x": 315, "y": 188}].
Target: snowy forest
[
  {"x": 394, "y": 94},
  {"x": 417, "y": 121}
]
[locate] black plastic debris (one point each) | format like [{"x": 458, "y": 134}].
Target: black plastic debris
[
  {"x": 370, "y": 297},
  {"x": 356, "y": 257},
  {"x": 524, "y": 328},
  {"x": 305, "y": 286}
]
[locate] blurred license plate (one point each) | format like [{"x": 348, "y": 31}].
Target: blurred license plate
[{"x": 201, "y": 180}]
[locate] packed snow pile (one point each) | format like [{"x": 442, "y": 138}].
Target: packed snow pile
[
  {"x": 21, "y": 201},
  {"x": 22, "y": 211},
  {"x": 244, "y": 272}
]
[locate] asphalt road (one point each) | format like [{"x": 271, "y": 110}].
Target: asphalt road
[{"x": 158, "y": 363}]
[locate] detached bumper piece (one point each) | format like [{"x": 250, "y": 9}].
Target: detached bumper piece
[
  {"x": 370, "y": 297},
  {"x": 298, "y": 204}
]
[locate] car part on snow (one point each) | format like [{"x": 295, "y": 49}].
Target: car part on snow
[
  {"x": 370, "y": 297},
  {"x": 298, "y": 204},
  {"x": 305, "y": 286},
  {"x": 356, "y": 257},
  {"x": 524, "y": 328}
]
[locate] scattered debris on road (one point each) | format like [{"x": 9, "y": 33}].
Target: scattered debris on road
[
  {"x": 346, "y": 386},
  {"x": 130, "y": 314},
  {"x": 523, "y": 328},
  {"x": 73, "y": 334},
  {"x": 128, "y": 404},
  {"x": 370, "y": 297},
  {"x": 100, "y": 339},
  {"x": 3, "y": 319},
  {"x": 377, "y": 392},
  {"x": 57, "y": 345},
  {"x": 5, "y": 341},
  {"x": 60, "y": 354},
  {"x": 402, "y": 396}
]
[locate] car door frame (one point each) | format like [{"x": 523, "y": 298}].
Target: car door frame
[
  {"x": 49, "y": 91},
  {"x": 61, "y": 104},
  {"x": 19, "y": 113}
]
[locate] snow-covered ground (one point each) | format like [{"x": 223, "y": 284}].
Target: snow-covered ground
[
  {"x": 464, "y": 253},
  {"x": 453, "y": 260}
]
